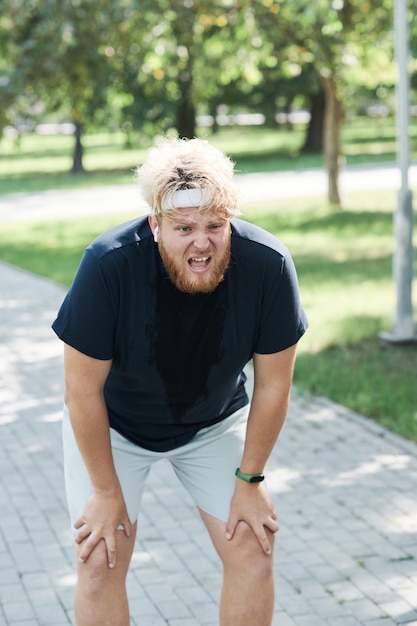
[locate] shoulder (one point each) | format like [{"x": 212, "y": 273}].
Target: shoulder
[
  {"x": 251, "y": 239},
  {"x": 121, "y": 237}
]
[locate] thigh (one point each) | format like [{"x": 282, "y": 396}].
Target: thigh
[
  {"x": 132, "y": 466},
  {"x": 206, "y": 466}
]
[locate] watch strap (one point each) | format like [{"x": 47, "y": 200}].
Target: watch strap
[{"x": 249, "y": 478}]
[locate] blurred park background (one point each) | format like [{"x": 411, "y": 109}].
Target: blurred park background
[{"x": 280, "y": 85}]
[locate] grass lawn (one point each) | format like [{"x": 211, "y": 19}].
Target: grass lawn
[
  {"x": 344, "y": 258},
  {"x": 43, "y": 162},
  {"x": 344, "y": 264},
  {"x": 39, "y": 163}
]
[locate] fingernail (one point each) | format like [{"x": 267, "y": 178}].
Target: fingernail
[{"x": 228, "y": 536}]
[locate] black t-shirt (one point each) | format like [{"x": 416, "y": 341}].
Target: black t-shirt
[{"x": 177, "y": 357}]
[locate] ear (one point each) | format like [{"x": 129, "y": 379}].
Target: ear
[{"x": 153, "y": 223}]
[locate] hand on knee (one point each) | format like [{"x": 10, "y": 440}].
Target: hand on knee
[{"x": 246, "y": 553}]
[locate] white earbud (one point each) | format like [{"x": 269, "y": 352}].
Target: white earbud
[{"x": 155, "y": 234}]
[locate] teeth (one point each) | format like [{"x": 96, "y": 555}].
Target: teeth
[{"x": 200, "y": 258}]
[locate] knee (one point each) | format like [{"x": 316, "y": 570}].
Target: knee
[
  {"x": 94, "y": 574},
  {"x": 246, "y": 552}
]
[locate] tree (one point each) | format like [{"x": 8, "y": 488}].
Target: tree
[
  {"x": 153, "y": 64},
  {"x": 154, "y": 55},
  {"x": 315, "y": 130},
  {"x": 329, "y": 35},
  {"x": 192, "y": 54},
  {"x": 60, "y": 56}
]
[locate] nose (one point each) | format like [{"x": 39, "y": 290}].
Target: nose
[{"x": 201, "y": 241}]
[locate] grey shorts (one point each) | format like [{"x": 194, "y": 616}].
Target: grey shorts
[{"x": 205, "y": 467}]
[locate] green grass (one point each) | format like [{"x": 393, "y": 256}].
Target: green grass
[
  {"x": 344, "y": 263},
  {"x": 53, "y": 248},
  {"x": 44, "y": 162},
  {"x": 344, "y": 258},
  {"x": 38, "y": 163}
]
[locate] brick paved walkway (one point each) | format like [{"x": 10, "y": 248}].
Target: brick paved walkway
[{"x": 345, "y": 491}]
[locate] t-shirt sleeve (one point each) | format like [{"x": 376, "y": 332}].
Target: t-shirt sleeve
[
  {"x": 282, "y": 320},
  {"x": 86, "y": 319}
]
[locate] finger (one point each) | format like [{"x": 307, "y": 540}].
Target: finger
[
  {"x": 231, "y": 527},
  {"x": 111, "y": 551},
  {"x": 272, "y": 526},
  {"x": 82, "y": 534},
  {"x": 127, "y": 528},
  {"x": 265, "y": 545},
  {"x": 263, "y": 540},
  {"x": 88, "y": 546},
  {"x": 80, "y": 522}
]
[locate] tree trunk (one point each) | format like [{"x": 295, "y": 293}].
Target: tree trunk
[
  {"x": 186, "y": 122},
  {"x": 213, "y": 112},
  {"x": 314, "y": 136},
  {"x": 183, "y": 30},
  {"x": 331, "y": 138},
  {"x": 77, "y": 159}
]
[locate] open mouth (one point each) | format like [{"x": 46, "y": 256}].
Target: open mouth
[{"x": 199, "y": 263}]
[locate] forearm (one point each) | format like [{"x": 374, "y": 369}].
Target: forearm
[
  {"x": 266, "y": 419},
  {"x": 271, "y": 393},
  {"x": 251, "y": 502},
  {"x": 105, "y": 510},
  {"x": 90, "y": 423},
  {"x": 85, "y": 378}
]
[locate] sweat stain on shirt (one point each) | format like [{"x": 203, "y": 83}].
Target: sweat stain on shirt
[{"x": 187, "y": 338}]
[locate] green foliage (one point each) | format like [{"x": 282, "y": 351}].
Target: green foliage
[
  {"x": 153, "y": 65},
  {"x": 331, "y": 33},
  {"x": 57, "y": 59}
]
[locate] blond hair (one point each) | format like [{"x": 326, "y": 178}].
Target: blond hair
[{"x": 177, "y": 164}]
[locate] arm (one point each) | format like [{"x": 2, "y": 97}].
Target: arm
[
  {"x": 272, "y": 386},
  {"x": 105, "y": 510}
]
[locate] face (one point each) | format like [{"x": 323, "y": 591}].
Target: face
[{"x": 195, "y": 248}]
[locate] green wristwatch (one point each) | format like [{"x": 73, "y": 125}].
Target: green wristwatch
[{"x": 250, "y": 478}]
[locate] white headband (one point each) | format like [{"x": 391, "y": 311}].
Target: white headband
[{"x": 186, "y": 198}]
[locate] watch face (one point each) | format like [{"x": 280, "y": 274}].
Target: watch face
[{"x": 256, "y": 479}]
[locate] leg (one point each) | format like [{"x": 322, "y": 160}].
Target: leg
[
  {"x": 248, "y": 577},
  {"x": 100, "y": 595}
]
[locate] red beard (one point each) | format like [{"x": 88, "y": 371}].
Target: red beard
[{"x": 188, "y": 282}]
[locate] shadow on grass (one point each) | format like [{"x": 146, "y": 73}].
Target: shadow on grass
[
  {"x": 18, "y": 154},
  {"x": 366, "y": 376},
  {"x": 335, "y": 246},
  {"x": 57, "y": 266},
  {"x": 52, "y": 249},
  {"x": 381, "y": 139},
  {"x": 248, "y": 163},
  {"x": 40, "y": 181},
  {"x": 318, "y": 270},
  {"x": 364, "y": 158},
  {"x": 319, "y": 219}
]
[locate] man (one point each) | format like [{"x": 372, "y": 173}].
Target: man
[{"x": 164, "y": 313}]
